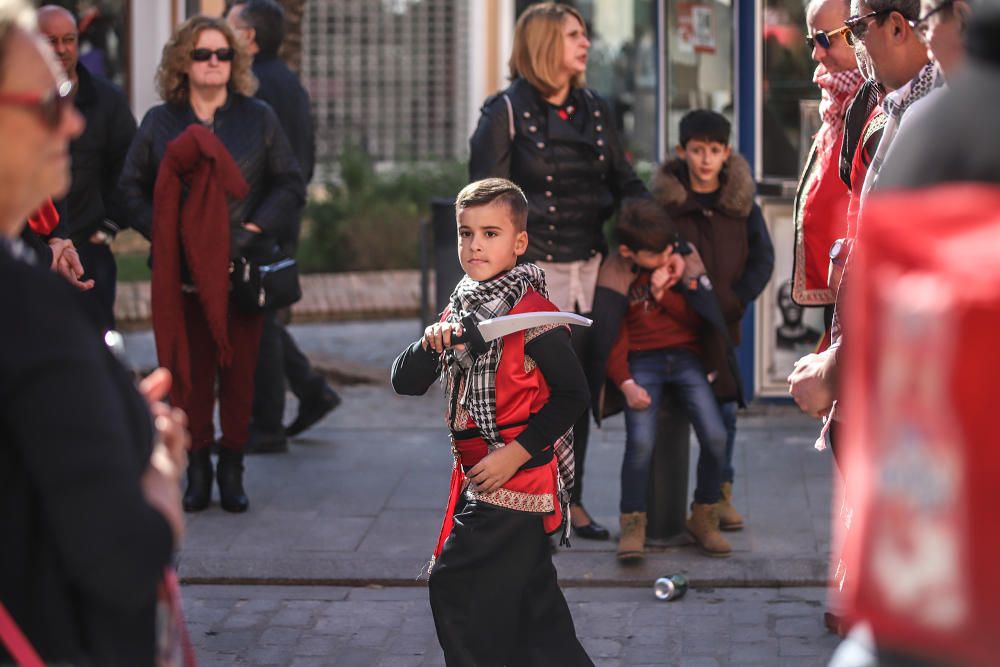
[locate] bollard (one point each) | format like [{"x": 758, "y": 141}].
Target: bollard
[
  {"x": 668, "y": 474},
  {"x": 447, "y": 270}
]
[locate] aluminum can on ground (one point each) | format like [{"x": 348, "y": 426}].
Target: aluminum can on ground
[{"x": 670, "y": 588}]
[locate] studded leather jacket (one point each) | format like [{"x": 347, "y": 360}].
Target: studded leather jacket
[{"x": 573, "y": 178}]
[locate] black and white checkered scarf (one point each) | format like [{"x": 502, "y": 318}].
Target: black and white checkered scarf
[{"x": 470, "y": 381}]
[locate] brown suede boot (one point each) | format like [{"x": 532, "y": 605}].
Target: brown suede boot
[
  {"x": 729, "y": 518},
  {"x": 631, "y": 544},
  {"x": 704, "y": 528}
]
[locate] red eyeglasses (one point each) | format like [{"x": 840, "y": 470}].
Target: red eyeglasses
[{"x": 49, "y": 105}]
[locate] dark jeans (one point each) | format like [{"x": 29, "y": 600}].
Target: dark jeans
[
  {"x": 235, "y": 380},
  {"x": 682, "y": 372},
  {"x": 495, "y": 597},
  {"x": 99, "y": 264},
  {"x": 280, "y": 358},
  {"x": 728, "y": 409}
]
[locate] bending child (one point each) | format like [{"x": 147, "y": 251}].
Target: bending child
[
  {"x": 657, "y": 349},
  {"x": 510, "y": 406}
]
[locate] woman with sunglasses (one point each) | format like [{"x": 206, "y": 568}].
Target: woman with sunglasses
[
  {"x": 205, "y": 81},
  {"x": 822, "y": 196}
]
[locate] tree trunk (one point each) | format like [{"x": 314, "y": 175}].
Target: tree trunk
[{"x": 291, "y": 48}]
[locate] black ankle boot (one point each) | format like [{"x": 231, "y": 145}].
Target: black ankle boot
[
  {"x": 229, "y": 472},
  {"x": 199, "y": 481}
]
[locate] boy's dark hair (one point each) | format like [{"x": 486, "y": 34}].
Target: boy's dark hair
[
  {"x": 704, "y": 125},
  {"x": 267, "y": 18},
  {"x": 495, "y": 190},
  {"x": 644, "y": 225}
]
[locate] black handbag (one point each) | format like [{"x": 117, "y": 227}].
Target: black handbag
[{"x": 265, "y": 285}]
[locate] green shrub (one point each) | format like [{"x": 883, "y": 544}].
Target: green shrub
[{"x": 371, "y": 220}]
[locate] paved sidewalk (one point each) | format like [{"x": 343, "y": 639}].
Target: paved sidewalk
[
  {"x": 359, "y": 499},
  {"x": 313, "y": 626}
]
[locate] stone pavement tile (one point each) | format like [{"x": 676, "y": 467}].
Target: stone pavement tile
[
  {"x": 384, "y": 593},
  {"x": 699, "y": 661},
  {"x": 754, "y": 653},
  {"x": 397, "y": 531}
]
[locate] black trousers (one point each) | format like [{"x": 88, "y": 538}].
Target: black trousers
[
  {"x": 99, "y": 264},
  {"x": 581, "y": 429},
  {"x": 495, "y": 597},
  {"x": 280, "y": 358}
]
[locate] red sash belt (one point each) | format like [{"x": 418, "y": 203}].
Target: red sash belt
[{"x": 532, "y": 490}]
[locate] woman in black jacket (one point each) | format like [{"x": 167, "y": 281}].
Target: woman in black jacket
[
  {"x": 559, "y": 142},
  {"x": 204, "y": 79},
  {"x": 89, "y": 517}
]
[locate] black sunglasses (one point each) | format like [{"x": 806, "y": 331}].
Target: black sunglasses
[
  {"x": 823, "y": 38},
  {"x": 49, "y": 105},
  {"x": 920, "y": 25},
  {"x": 858, "y": 25},
  {"x": 204, "y": 55}
]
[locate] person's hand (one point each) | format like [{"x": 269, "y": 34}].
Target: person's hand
[
  {"x": 666, "y": 276},
  {"x": 438, "y": 336},
  {"x": 636, "y": 397},
  {"x": 694, "y": 266},
  {"x": 170, "y": 422},
  {"x": 497, "y": 467},
  {"x": 253, "y": 228},
  {"x": 813, "y": 383},
  {"x": 161, "y": 481},
  {"x": 66, "y": 262}
]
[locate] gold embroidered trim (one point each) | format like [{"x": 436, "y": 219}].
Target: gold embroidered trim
[
  {"x": 519, "y": 501},
  {"x": 532, "y": 334},
  {"x": 876, "y": 125},
  {"x": 529, "y": 364}
]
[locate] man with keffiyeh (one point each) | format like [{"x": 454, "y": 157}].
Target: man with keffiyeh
[
  {"x": 822, "y": 197},
  {"x": 510, "y": 407}
]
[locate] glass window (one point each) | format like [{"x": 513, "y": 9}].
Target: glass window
[
  {"x": 699, "y": 61},
  {"x": 789, "y": 95}
]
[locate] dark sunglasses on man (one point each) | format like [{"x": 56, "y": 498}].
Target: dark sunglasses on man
[
  {"x": 858, "y": 25},
  {"x": 920, "y": 25},
  {"x": 204, "y": 55},
  {"x": 824, "y": 39},
  {"x": 49, "y": 105}
]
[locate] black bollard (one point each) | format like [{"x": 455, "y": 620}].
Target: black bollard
[
  {"x": 668, "y": 474},
  {"x": 447, "y": 270}
]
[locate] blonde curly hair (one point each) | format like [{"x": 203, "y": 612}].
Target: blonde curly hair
[{"x": 171, "y": 75}]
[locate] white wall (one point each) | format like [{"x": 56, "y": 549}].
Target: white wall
[{"x": 150, "y": 29}]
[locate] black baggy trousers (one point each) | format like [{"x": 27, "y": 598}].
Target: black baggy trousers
[{"x": 495, "y": 597}]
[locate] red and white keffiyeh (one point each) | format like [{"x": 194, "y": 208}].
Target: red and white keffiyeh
[{"x": 838, "y": 89}]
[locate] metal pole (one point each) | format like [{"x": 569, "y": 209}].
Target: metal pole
[{"x": 668, "y": 475}]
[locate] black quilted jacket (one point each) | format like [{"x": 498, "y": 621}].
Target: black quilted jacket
[{"x": 249, "y": 129}]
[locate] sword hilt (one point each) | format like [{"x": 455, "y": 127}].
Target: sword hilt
[{"x": 470, "y": 337}]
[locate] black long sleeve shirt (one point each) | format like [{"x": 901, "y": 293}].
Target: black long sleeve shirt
[{"x": 416, "y": 369}]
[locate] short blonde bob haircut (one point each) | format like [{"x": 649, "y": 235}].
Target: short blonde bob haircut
[
  {"x": 171, "y": 76},
  {"x": 538, "y": 49}
]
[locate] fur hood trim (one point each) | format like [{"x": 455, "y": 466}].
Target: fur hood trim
[{"x": 671, "y": 189}]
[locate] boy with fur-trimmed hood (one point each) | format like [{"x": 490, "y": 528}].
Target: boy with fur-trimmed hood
[{"x": 708, "y": 192}]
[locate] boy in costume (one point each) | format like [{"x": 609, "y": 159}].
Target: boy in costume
[{"x": 511, "y": 404}]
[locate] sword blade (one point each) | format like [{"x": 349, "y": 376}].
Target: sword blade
[{"x": 501, "y": 326}]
